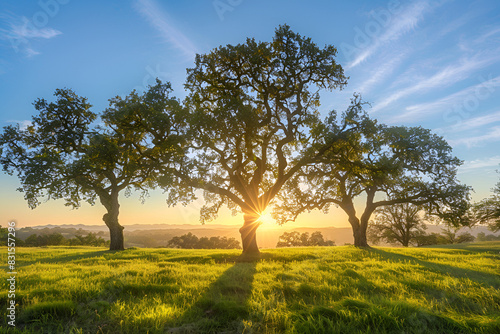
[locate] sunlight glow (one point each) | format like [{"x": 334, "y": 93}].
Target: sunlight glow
[{"x": 266, "y": 218}]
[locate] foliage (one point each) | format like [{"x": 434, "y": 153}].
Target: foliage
[
  {"x": 451, "y": 289},
  {"x": 481, "y": 236},
  {"x": 190, "y": 241},
  {"x": 61, "y": 155},
  {"x": 399, "y": 223},
  {"x": 252, "y": 108},
  {"x": 488, "y": 210},
  {"x": 294, "y": 239},
  {"x": 431, "y": 239},
  {"x": 452, "y": 237},
  {"x": 386, "y": 164},
  {"x": 447, "y": 237},
  {"x": 57, "y": 239}
]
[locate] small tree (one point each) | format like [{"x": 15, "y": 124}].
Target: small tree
[
  {"x": 60, "y": 155},
  {"x": 186, "y": 241},
  {"x": 400, "y": 223},
  {"x": 452, "y": 237},
  {"x": 488, "y": 210},
  {"x": 424, "y": 239},
  {"x": 294, "y": 239},
  {"x": 289, "y": 239}
]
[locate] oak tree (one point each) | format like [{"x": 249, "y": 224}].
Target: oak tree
[
  {"x": 399, "y": 223},
  {"x": 383, "y": 166},
  {"x": 252, "y": 108},
  {"x": 487, "y": 211},
  {"x": 62, "y": 154}
]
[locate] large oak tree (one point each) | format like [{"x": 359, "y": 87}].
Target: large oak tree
[
  {"x": 383, "y": 166},
  {"x": 252, "y": 108},
  {"x": 63, "y": 155}
]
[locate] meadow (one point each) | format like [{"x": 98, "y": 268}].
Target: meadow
[{"x": 448, "y": 289}]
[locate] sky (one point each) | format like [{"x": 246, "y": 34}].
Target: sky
[{"x": 434, "y": 64}]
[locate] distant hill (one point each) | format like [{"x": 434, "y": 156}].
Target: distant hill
[{"x": 158, "y": 235}]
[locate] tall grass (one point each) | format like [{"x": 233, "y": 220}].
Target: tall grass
[{"x": 304, "y": 290}]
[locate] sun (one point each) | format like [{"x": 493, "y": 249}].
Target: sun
[{"x": 266, "y": 218}]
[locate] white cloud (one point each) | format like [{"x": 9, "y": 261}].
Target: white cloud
[
  {"x": 28, "y": 30},
  {"x": 471, "y": 123},
  {"x": 21, "y": 31},
  {"x": 480, "y": 163},
  {"x": 399, "y": 26},
  {"x": 162, "y": 23},
  {"x": 492, "y": 136},
  {"x": 381, "y": 72},
  {"x": 449, "y": 75},
  {"x": 477, "y": 92}
]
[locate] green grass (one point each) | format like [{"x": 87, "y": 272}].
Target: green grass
[{"x": 304, "y": 290}]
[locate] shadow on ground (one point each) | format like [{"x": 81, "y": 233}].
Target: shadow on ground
[{"x": 223, "y": 305}]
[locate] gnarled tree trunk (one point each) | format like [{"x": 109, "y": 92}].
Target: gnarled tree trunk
[
  {"x": 358, "y": 232},
  {"x": 248, "y": 234},
  {"x": 110, "y": 218},
  {"x": 358, "y": 227}
]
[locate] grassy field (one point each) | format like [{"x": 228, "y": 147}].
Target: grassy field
[{"x": 304, "y": 290}]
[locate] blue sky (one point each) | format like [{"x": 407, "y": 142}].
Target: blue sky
[{"x": 434, "y": 64}]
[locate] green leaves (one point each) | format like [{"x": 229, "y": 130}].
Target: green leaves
[{"x": 253, "y": 112}]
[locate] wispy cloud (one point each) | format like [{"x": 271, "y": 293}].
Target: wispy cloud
[
  {"x": 449, "y": 75},
  {"x": 20, "y": 32},
  {"x": 471, "y": 123},
  {"x": 492, "y": 136},
  {"x": 400, "y": 25},
  {"x": 480, "y": 163},
  {"x": 382, "y": 72},
  {"x": 480, "y": 91},
  {"x": 150, "y": 10}
]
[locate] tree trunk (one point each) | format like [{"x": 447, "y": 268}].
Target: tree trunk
[
  {"x": 358, "y": 228},
  {"x": 111, "y": 220},
  {"x": 359, "y": 234},
  {"x": 248, "y": 234}
]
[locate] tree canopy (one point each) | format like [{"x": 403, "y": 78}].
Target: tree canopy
[
  {"x": 487, "y": 211},
  {"x": 399, "y": 223},
  {"x": 384, "y": 165},
  {"x": 252, "y": 108},
  {"x": 62, "y": 155}
]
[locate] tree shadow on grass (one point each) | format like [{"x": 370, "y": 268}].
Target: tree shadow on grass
[
  {"x": 68, "y": 258},
  {"x": 477, "y": 276},
  {"x": 223, "y": 305}
]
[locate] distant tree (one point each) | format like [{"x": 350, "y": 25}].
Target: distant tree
[
  {"x": 317, "y": 239},
  {"x": 402, "y": 164},
  {"x": 4, "y": 231},
  {"x": 32, "y": 241},
  {"x": 488, "y": 210},
  {"x": 55, "y": 239},
  {"x": 304, "y": 239},
  {"x": 60, "y": 155},
  {"x": 289, "y": 239},
  {"x": 399, "y": 223},
  {"x": 424, "y": 239},
  {"x": 452, "y": 237},
  {"x": 481, "y": 236},
  {"x": 190, "y": 241},
  {"x": 187, "y": 241},
  {"x": 294, "y": 239}
]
